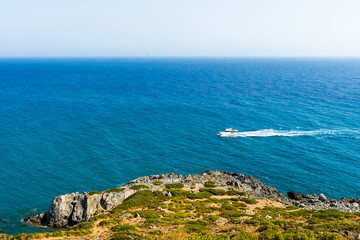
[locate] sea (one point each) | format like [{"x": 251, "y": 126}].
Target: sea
[{"x": 75, "y": 125}]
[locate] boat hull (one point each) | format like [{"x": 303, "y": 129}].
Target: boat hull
[{"x": 228, "y": 134}]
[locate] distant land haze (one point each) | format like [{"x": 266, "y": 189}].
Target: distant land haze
[{"x": 95, "y": 28}]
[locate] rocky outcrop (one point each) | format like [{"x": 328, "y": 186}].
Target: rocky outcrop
[
  {"x": 40, "y": 219},
  {"x": 253, "y": 187},
  {"x": 70, "y": 209},
  {"x": 321, "y": 202}
]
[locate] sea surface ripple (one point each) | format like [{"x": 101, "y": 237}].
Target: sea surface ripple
[{"x": 74, "y": 125}]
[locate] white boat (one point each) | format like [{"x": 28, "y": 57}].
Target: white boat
[{"x": 229, "y": 132}]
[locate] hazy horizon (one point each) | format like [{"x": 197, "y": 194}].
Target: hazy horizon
[{"x": 169, "y": 28}]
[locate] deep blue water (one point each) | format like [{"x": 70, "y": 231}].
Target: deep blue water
[{"x": 69, "y": 125}]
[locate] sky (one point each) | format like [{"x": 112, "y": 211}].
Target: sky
[{"x": 160, "y": 28}]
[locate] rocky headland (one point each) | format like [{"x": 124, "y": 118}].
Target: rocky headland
[
  {"x": 75, "y": 208},
  {"x": 71, "y": 209}
]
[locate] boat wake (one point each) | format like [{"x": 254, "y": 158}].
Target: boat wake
[{"x": 296, "y": 133}]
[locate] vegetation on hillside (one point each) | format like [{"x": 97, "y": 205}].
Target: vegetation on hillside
[{"x": 210, "y": 214}]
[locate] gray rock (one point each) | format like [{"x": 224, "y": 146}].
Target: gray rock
[
  {"x": 39, "y": 219},
  {"x": 168, "y": 194},
  {"x": 296, "y": 196},
  {"x": 322, "y": 197},
  {"x": 158, "y": 209},
  {"x": 136, "y": 215},
  {"x": 61, "y": 210}
]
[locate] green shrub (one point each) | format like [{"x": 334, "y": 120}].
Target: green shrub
[
  {"x": 196, "y": 227},
  {"x": 208, "y": 236},
  {"x": 268, "y": 227},
  {"x": 58, "y": 234},
  {"x": 241, "y": 235},
  {"x": 174, "y": 185},
  {"x": 122, "y": 227},
  {"x": 332, "y": 213},
  {"x": 78, "y": 233},
  {"x": 249, "y": 200},
  {"x": 179, "y": 193},
  {"x": 253, "y": 222},
  {"x": 213, "y": 191},
  {"x": 209, "y": 184},
  {"x": 144, "y": 198},
  {"x": 327, "y": 236},
  {"x": 100, "y": 216},
  {"x": 83, "y": 226},
  {"x": 158, "y": 183},
  {"x": 291, "y": 207},
  {"x": 220, "y": 192},
  {"x": 94, "y": 192},
  {"x": 121, "y": 236},
  {"x": 213, "y": 218},
  {"x": 299, "y": 213},
  {"x": 295, "y": 235},
  {"x": 178, "y": 206},
  {"x": 138, "y": 187},
  {"x": 108, "y": 222},
  {"x": 234, "y": 192},
  {"x": 227, "y": 207},
  {"x": 199, "y": 195},
  {"x": 240, "y": 205},
  {"x": 149, "y": 214},
  {"x": 126, "y": 236},
  {"x": 115, "y": 190},
  {"x": 232, "y": 214}
]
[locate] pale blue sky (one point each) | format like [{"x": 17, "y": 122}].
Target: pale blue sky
[{"x": 123, "y": 28}]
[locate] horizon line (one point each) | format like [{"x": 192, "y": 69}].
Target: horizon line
[{"x": 174, "y": 56}]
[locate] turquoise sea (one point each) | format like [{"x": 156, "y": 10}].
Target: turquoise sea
[{"x": 74, "y": 125}]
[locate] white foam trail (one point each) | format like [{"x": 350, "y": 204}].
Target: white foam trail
[{"x": 290, "y": 133}]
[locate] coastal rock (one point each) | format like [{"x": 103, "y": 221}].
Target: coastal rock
[
  {"x": 41, "y": 218},
  {"x": 109, "y": 200},
  {"x": 322, "y": 197},
  {"x": 296, "y": 196},
  {"x": 61, "y": 210}
]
